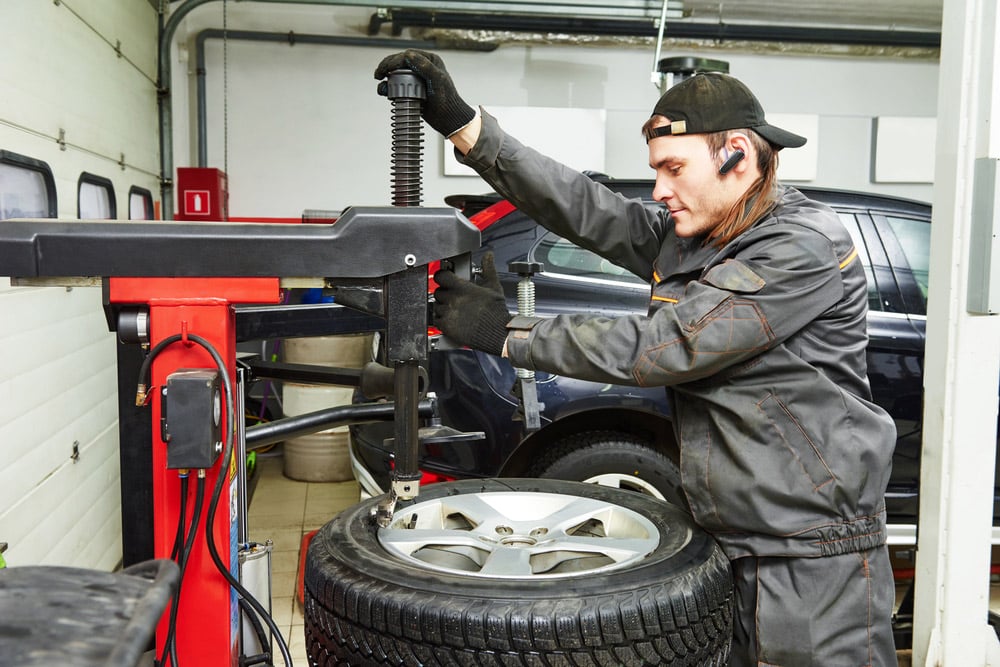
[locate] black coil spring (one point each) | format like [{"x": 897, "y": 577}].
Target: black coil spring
[{"x": 407, "y": 151}]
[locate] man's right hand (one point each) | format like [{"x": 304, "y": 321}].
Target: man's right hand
[{"x": 443, "y": 109}]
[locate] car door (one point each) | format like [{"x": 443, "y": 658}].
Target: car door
[
  {"x": 895, "y": 349},
  {"x": 906, "y": 239}
]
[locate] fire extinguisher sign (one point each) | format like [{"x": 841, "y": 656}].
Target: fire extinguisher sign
[{"x": 196, "y": 202}]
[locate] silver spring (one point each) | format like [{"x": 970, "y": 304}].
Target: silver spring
[
  {"x": 526, "y": 297},
  {"x": 526, "y": 307}
]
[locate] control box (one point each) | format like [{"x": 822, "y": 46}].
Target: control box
[{"x": 191, "y": 418}]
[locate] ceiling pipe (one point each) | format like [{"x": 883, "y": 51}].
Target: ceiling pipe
[
  {"x": 164, "y": 106},
  {"x": 401, "y": 19}
]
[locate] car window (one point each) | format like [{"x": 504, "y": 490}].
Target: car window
[
  {"x": 914, "y": 238},
  {"x": 561, "y": 256},
  {"x": 849, "y": 220}
]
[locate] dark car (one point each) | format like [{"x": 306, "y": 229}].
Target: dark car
[{"x": 620, "y": 435}]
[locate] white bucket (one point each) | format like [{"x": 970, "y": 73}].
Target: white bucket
[
  {"x": 351, "y": 351},
  {"x": 318, "y": 457},
  {"x": 323, "y": 456}
]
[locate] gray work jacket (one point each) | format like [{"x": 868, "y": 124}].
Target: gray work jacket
[{"x": 761, "y": 344}]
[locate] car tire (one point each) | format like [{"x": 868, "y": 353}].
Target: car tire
[
  {"x": 612, "y": 458},
  {"x": 669, "y": 602}
]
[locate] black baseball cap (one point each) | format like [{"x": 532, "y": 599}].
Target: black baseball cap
[{"x": 713, "y": 102}]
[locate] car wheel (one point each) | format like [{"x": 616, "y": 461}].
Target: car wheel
[
  {"x": 518, "y": 572},
  {"x": 612, "y": 458}
]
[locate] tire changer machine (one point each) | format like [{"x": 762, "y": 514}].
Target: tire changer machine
[{"x": 180, "y": 296}]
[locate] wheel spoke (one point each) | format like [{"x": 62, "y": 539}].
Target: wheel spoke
[
  {"x": 472, "y": 507},
  {"x": 617, "y": 549},
  {"x": 508, "y": 562},
  {"x": 575, "y": 513},
  {"x": 409, "y": 540}
]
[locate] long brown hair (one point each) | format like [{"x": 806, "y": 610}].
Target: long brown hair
[{"x": 759, "y": 198}]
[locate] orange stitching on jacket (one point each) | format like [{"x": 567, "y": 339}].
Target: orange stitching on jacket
[
  {"x": 866, "y": 566},
  {"x": 850, "y": 537},
  {"x": 756, "y": 611},
  {"x": 821, "y": 526},
  {"x": 791, "y": 448}
]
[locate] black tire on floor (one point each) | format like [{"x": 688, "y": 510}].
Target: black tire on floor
[
  {"x": 625, "y": 456},
  {"x": 366, "y": 605}
]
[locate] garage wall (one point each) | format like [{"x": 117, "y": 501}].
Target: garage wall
[
  {"x": 58, "y": 385},
  {"x": 306, "y": 128}
]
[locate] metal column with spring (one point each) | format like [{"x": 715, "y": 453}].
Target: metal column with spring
[
  {"x": 528, "y": 409},
  {"x": 406, "y": 346}
]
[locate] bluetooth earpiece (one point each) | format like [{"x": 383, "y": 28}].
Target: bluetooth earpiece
[{"x": 731, "y": 161}]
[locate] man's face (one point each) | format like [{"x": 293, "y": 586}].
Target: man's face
[{"x": 689, "y": 184}]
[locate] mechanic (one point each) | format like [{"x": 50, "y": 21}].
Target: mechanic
[{"x": 757, "y": 327}]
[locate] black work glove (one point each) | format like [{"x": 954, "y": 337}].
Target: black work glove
[
  {"x": 443, "y": 109},
  {"x": 470, "y": 314}
]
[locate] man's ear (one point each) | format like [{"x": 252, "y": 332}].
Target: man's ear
[{"x": 735, "y": 153}]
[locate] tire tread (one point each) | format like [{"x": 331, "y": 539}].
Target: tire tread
[{"x": 684, "y": 629}]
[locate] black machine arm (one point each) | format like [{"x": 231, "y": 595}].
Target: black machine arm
[{"x": 365, "y": 242}]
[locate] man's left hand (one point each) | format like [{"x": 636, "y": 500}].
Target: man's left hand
[{"x": 443, "y": 108}]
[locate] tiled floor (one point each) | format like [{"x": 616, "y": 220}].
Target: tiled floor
[{"x": 283, "y": 510}]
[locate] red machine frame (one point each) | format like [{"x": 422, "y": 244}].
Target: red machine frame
[{"x": 202, "y": 306}]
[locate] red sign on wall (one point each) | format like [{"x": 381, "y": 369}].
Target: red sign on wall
[
  {"x": 202, "y": 194},
  {"x": 197, "y": 202}
]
